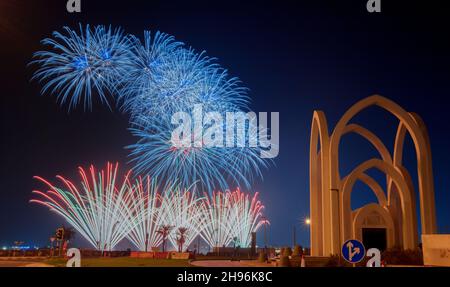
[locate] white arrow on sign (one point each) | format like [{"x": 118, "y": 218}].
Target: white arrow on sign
[{"x": 352, "y": 253}]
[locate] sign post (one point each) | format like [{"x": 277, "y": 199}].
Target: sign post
[{"x": 353, "y": 251}]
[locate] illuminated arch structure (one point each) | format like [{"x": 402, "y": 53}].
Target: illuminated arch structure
[{"x": 332, "y": 220}]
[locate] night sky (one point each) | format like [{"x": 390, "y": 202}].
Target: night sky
[{"x": 295, "y": 58}]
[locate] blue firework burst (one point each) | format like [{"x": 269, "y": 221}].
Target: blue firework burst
[
  {"x": 166, "y": 77},
  {"x": 206, "y": 167},
  {"x": 80, "y": 63},
  {"x": 147, "y": 75},
  {"x": 151, "y": 80}
]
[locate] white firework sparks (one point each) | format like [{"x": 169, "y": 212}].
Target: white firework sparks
[{"x": 98, "y": 210}]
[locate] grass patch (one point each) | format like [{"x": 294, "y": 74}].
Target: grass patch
[
  {"x": 215, "y": 257},
  {"x": 122, "y": 262}
]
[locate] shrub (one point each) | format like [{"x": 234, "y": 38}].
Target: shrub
[
  {"x": 334, "y": 261},
  {"x": 284, "y": 261},
  {"x": 287, "y": 251},
  {"x": 396, "y": 256},
  {"x": 262, "y": 256},
  {"x": 298, "y": 251}
]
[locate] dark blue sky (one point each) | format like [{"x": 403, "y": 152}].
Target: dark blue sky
[{"x": 294, "y": 57}]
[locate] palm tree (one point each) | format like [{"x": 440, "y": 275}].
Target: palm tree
[
  {"x": 52, "y": 239},
  {"x": 164, "y": 230},
  {"x": 236, "y": 242},
  {"x": 181, "y": 237},
  {"x": 69, "y": 233}
]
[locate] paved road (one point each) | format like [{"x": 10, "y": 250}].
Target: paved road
[
  {"x": 216, "y": 263},
  {"x": 228, "y": 263},
  {"x": 22, "y": 263}
]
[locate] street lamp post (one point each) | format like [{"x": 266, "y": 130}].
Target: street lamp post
[
  {"x": 52, "y": 239},
  {"x": 294, "y": 235},
  {"x": 265, "y": 235},
  {"x": 217, "y": 241},
  {"x": 146, "y": 242},
  {"x": 198, "y": 244},
  {"x": 307, "y": 224},
  {"x": 265, "y": 222}
]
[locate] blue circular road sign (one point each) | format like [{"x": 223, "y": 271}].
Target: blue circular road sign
[{"x": 353, "y": 251}]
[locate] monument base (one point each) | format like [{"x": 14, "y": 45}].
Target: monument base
[{"x": 436, "y": 249}]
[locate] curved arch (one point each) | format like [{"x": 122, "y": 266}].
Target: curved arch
[
  {"x": 405, "y": 198},
  {"x": 426, "y": 188},
  {"x": 318, "y": 178},
  {"x": 363, "y": 212},
  {"x": 371, "y": 137},
  {"x": 375, "y": 187},
  {"x": 401, "y": 136},
  {"x": 428, "y": 202}
]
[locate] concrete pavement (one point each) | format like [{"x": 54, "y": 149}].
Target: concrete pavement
[
  {"x": 229, "y": 263},
  {"x": 22, "y": 262}
]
